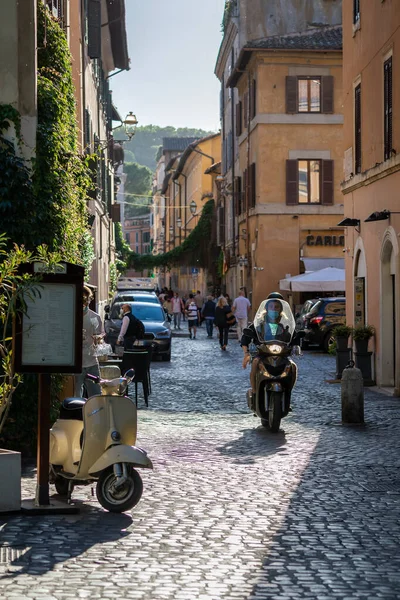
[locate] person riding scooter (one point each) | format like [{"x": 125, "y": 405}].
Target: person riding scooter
[
  {"x": 268, "y": 342},
  {"x": 270, "y": 328}
]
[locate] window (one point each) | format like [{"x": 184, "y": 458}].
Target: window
[
  {"x": 357, "y": 129},
  {"x": 309, "y": 181},
  {"x": 127, "y": 238},
  {"x": 146, "y": 237},
  {"x": 356, "y": 11},
  {"x": 137, "y": 237},
  {"x": 253, "y": 99},
  {"x": 238, "y": 196},
  {"x": 239, "y": 119},
  {"x": 252, "y": 185},
  {"x": 388, "y": 108},
  {"x": 309, "y": 94}
]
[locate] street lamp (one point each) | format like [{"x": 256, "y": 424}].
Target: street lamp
[
  {"x": 171, "y": 230},
  {"x": 131, "y": 123},
  {"x": 193, "y": 207},
  {"x": 179, "y": 222}
]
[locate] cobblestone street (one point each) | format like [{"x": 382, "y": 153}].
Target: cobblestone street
[{"x": 230, "y": 511}]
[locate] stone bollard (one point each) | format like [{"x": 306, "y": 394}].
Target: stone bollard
[{"x": 352, "y": 395}]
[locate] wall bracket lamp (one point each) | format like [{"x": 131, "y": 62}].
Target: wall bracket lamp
[
  {"x": 379, "y": 215},
  {"x": 350, "y": 223}
]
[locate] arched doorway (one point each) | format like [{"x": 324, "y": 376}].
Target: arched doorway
[
  {"x": 388, "y": 314},
  {"x": 360, "y": 274}
]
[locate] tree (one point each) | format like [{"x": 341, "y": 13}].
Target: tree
[{"x": 138, "y": 181}]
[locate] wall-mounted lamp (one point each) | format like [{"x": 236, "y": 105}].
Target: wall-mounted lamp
[
  {"x": 179, "y": 222},
  {"x": 243, "y": 261},
  {"x": 131, "y": 122},
  {"x": 193, "y": 207},
  {"x": 380, "y": 215},
  {"x": 350, "y": 223},
  {"x": 171, "y": 230}
]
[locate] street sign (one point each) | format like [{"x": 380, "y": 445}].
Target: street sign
[{"x": 195, "y": 271}]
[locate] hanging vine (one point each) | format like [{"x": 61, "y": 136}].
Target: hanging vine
[{"x": 197, "y": 249}]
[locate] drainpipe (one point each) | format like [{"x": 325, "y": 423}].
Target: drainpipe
[
  {"x": 248, "y": 182},
  {"x": 185, "y": 203},
  {"x": 233, "y": 173}
]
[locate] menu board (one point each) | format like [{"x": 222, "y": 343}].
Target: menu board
[{"x": 48, "y": 328}]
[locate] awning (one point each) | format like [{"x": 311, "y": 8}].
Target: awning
[
  {"x": 315, "y": 264},
  {"x": 324, "y": 280}
]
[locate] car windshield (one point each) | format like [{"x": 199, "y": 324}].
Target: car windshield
[
  {"x": 274, "y": 321},
  {"x": 148, "y": 312}
]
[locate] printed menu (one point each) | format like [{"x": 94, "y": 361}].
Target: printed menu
[{"x": 48, "y": 334}]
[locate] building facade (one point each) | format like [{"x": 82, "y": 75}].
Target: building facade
[
  {"x": 371, "y": 39},
  {"x": 281, "y": 113}
]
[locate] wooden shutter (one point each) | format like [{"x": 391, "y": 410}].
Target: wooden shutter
[
  {"x": 388, "y": 131},
  {"x": 239, "y": 119},
  {"x": 291, "y": 95},
  {"x": 292, "y": 182},
  {"x": 327, "y": 182},
  {"x": 252, "y": 186},
  {"x": 237, "y": 196},
  {"x": 246, "y": 110},
  {"x": 94, "y": 28},
  {"x": 253, "y": 99},
  {"x": 116, "y": 213},
  {"x": 245, "y": 190},
  {"x": 357, "y": 129},
  {"x": 327, "y": 94}
]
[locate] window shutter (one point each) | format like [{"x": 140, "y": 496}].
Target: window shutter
[
  {"x": 239, "y": 119},
  {"x": 246, "y": 110},
  {"x": 252, "y": 186},
  {"x": 357, "y": 129},
  {"x": 327, "y": 94},
  {"x": 94, "y": 28},
  {"x": 292, "y": 182},
  {"x": 245, "y": 190},
  {"x": 291, "y": 95},
  {"x": 252, "y": 98},
  {"x": 237, "y": 194},
  {"x": 388, "y": 143},
  {"x": 327, "y": 182}
]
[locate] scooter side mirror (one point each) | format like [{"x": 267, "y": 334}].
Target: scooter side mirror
[{"x": 248, "y": 332}]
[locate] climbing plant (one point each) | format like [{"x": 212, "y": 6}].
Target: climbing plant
[{"x": 197, "y": 248}]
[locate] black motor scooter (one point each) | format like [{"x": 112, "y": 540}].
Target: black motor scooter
[{"x": 273, "y": 345}]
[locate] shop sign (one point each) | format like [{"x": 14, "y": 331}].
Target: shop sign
[{"x": 325, "y": 240}]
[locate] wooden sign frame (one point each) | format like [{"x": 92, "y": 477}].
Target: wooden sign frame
[{"x": 51, "y": 327}]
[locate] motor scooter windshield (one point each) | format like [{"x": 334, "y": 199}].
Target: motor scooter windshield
[{"x": 274, "y": 321}]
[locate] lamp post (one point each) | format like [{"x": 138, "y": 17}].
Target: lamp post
[
  {"x": 131, "y": 123},
  {"x": 193, "y": 207}
]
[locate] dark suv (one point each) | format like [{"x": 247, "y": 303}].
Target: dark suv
[{"x": 320, "y": 321}]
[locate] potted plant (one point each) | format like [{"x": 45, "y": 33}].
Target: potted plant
[
  {"x": 361, "y": 336},
  {"x": 341, "y": 333}
]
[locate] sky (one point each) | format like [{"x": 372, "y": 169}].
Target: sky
[{"x": 173, "y": 47}]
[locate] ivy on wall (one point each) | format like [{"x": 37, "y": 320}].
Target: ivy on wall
[{"x": 196, "y": 249}]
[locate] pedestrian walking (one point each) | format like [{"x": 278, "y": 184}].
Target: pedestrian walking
[
  {"x": 208, "y": 313},
  {"x": 177, "y": 308},
  {"x": 241, "y": 309},
  {"x": 167, "y": 306},
  {"x": 193, "y": 314},
  {"x": 221, "y": 320},
  {"x": 92, "y": 334},
  {"x": 199, "y": 303}
]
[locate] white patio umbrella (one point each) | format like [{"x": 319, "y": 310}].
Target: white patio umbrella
[{"x": 329, "y": 279}]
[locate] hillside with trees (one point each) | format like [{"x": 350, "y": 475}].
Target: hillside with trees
[{"x": 141, "y": 155}]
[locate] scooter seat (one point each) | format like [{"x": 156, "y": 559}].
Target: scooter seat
[{"x": 71, "y": 408}]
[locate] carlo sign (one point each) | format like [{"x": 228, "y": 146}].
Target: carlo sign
[{"x": 325, "y": 240}]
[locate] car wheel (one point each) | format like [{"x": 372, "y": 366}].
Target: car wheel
[
  {"x": 166, "y": 357},
  {"x": 329, "y": 341}
]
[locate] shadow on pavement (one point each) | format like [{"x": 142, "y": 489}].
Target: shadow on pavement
[
  {"x": 253, "y": 444},
  {"x": 43, "y": 542}
]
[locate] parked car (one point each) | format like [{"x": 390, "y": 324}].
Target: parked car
[
  {"x": 156, "y": 324},
  {"x": 134, "y": 296},
  {"x": 302, "y": 314},
  {"x": 320, "y": 321}
]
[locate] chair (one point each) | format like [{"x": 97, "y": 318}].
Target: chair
[
  {"x": 139, "y": 362},
  {"x": 150, "y": 351}
]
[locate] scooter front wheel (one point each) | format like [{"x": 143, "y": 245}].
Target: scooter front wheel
[
  {"x": 275, "y": 411},
  {"x": 122, "y": 498}
]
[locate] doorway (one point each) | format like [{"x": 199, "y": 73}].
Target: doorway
[{"x": 388, "y": 315}]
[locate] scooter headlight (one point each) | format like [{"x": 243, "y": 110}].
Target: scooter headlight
[
  {"x": 115, "y": 436},
  {"x": 275, "y": 349}
]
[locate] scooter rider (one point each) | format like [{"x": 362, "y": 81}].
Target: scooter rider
[{"x": 272, "y": 330}]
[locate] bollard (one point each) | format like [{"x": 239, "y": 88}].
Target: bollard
[{"x": 352, "y": 395}]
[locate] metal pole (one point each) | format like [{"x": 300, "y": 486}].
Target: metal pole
[{"x": 43, "y": 441}]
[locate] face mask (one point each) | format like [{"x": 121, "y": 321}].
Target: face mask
[
  {"x": 85, "y": 309},
  {"x": 273, "y": 314},
  {"x": 121, "y": 314}
]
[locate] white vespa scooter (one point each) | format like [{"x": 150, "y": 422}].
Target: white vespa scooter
[{"x": 94, "y": 440}]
